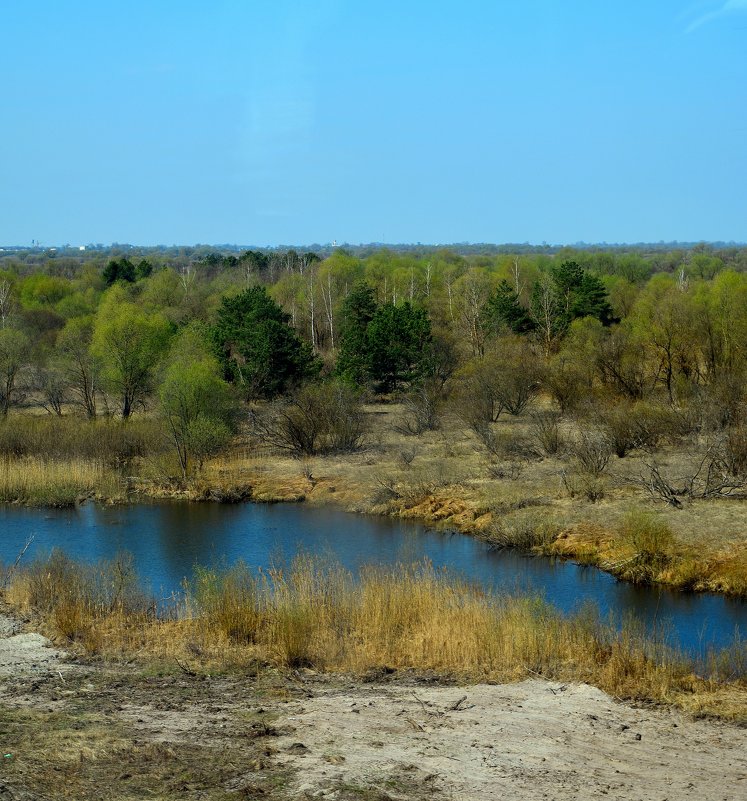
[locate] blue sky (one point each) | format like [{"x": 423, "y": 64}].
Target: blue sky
[{"x": 275, "y": 121}]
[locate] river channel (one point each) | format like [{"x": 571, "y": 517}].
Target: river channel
[{"x": 167, "y": 540}]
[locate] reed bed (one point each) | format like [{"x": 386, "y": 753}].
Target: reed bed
[
  {"x": 44, "y": 482},
  {"x": 319, "y": 616},
  {"x": 112, "y": 441}
]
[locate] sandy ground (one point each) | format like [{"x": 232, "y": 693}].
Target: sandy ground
[
  {"x": 309, "y": 736},
  {"x": 24, "y": 653},
  {"x": 523, "y": 741}
]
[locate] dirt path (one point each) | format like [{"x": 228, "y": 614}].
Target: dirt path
[{"x": 72, "y": 730}]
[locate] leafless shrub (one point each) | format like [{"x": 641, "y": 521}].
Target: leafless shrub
[
  {"x": 422, "y": 409},
  {"x": 581, "y": 483},
  {"x": 566, "y": 385},
  {"x": 640, "y": 425},
  {"x": 507, "y": 379},
  {"x": 52, "y": 388},
  {"x": 386, "y": 489},
  {"x": 510, "y": 470},
  {"x": 428, "y": 480},
  {"x": 547, "y": 434},
  {"x": 503, "y": 444},
  {"x": 718, "y": 472},
  {"x": 406, "y": 456},
  {"x": 722, "y": 403},
  {"x": 735, "y": 451},
  {"x": 319, "y": 418},
  {"x": 592, "y": 451}
]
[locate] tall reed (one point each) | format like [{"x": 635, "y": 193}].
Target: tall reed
[{"x": 320, "y": 616}]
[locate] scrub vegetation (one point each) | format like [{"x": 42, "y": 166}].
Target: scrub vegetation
[{"x": 584, "y": 403}]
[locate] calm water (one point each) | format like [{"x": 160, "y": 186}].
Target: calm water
[{"x": 168, "y": 539}]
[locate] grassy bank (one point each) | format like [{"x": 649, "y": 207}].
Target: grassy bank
[
  {"x": 445, "y": 477},
  {"x": 43, "y": 482},
  {"x": 408, "y": 618}
]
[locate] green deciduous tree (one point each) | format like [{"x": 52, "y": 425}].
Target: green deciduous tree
[
  {"x": 78, "y": 364},
  {"x": 197, "y": 404},
  {"x": 129, "y": 344}
]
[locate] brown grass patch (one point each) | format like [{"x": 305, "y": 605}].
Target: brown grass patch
[{"x": 410, "y": 617}]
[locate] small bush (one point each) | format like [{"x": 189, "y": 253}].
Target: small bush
[
  {"x": 651, "y": 541},
  {"x": 722, "y": 403},
  {"x": 593, "y": 451},
  {"x": 505, "y": 444},
  {"x": 319, "y": 418},
  {"x": 581, "y": 483},
  {"x": 547, "y": 434},
  {"x": 422, "y": 409},
  {"x": 735, "y": 451},
  {"x": 567, "y": 386},
  {"x": 642, "y": 425}
]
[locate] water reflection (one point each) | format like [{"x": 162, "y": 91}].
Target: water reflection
[{"x": 167, "y": 540}]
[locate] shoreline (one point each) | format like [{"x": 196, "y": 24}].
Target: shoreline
[{"x": 583, "y": 546}]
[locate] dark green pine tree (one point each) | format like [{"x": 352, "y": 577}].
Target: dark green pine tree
[
  {"x": 591, "y": 301},
  {"x": 503, "y": 310},
  {"x": 257, "y": 347},
  {"x": 358, "y": 310},
  {"x": 143, "y": 269},
  {"x": 122, "y": 270},
  {"x": 567, "y": 278},
  {"x": 397, "y": 338},
  {"x": 580, "y": 294}
]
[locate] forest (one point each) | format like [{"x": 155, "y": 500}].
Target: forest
[{"x": 602, "y": 378}]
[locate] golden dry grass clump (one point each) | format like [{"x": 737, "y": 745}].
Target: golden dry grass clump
[
  {"x": 409, "y": 617},
  {"x": 43, "y": 482}
]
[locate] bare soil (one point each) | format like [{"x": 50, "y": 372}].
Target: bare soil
[{"x": 78, "y": 729}]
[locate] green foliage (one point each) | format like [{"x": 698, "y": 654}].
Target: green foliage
[
  {"x": 256, "y": 346},
  {"x": 568, "y": 293},
  {"x": 396, "y": 339},
  {"x": 504, "y": 311},
  {"x": 120, "y": 270},
  {"x": 196, "y": 403},
  {"x": 129, "y": 344},
  {"x": 580, "y": 294},
  {"x": 143, "y": 269},
  {"x": 358, "y": 310}
]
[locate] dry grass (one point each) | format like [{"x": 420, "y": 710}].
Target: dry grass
[
  {"x": 41, "y": 482},
  {"x": 449, "y": 479},
  {"x": 445, "y": 478},
  {"x": 412, "y": 617}
]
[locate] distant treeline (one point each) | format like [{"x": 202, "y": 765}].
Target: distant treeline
[{"x": 94, "y": 328}]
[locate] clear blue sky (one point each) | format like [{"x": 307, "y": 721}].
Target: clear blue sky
[{"x": 275, "y": 121}]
